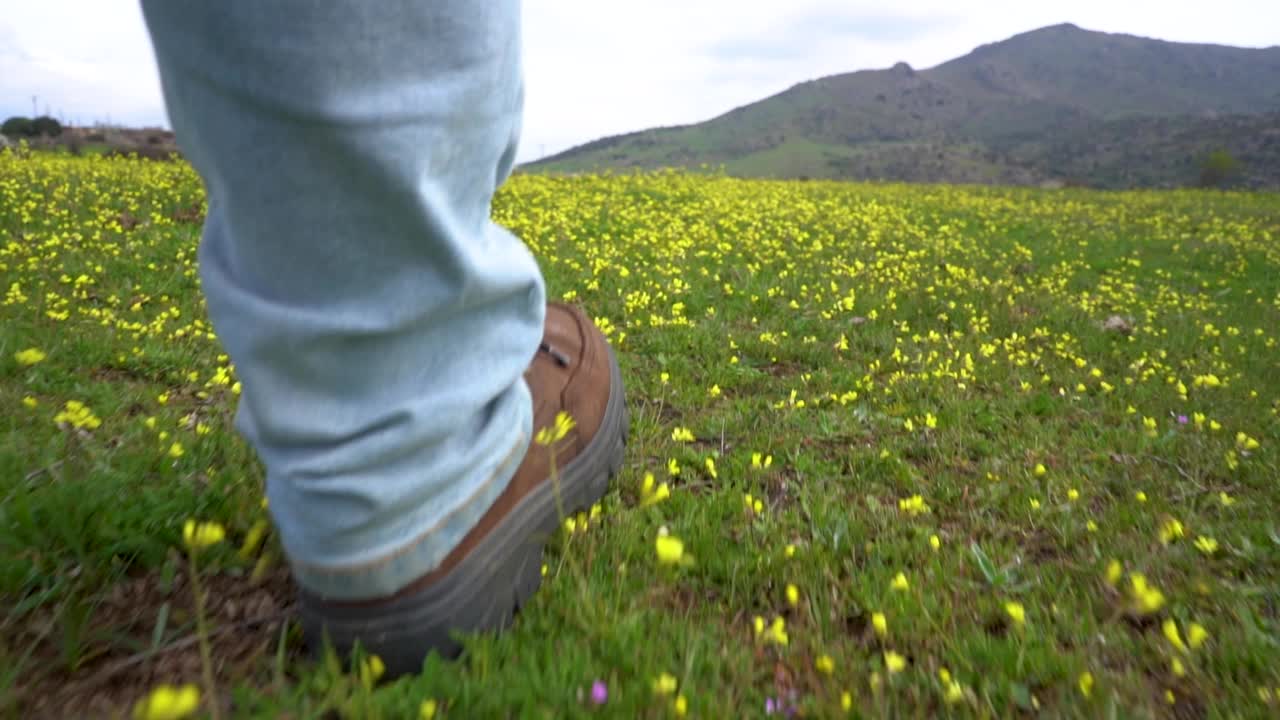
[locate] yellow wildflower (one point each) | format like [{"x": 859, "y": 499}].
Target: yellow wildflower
[
  {"x": 894, "y": 662},
  {"x": 846, "y": 701},
  {"x": 1246, "y": 443},
  {"x": 200, "y": 535},
  {"x": 914, "y": 505},
  {"x": 427, "y": 710},
  {"x": 1016, "y": 612},
  {"x": 682, "y": 434},
  {"x": 824, "y": 664},
  {"x": 880, "y": 623},
  {"x": 670, "y": 550},
  {"x": 775, "y": 633},
  {"x": 564, "y": 422},
  {"x": 1147, "y": 599},
  {"x": 652, "y": 493},
  {"x": 664, "y": 684},
  {"x": 681, "y": 705},
  {"x": 1114, "y": 571},
  {"x": 1085, "y": 683},
  {"x": 29, "y": 402},
  {"x": 1171, "y": 530},
  {"x": 793, "y": 595},
  {"x": 954, "y": 692},
  {"x": 30, "y": 356},
  {"x": 78, "y": 415},
  {"x": 1206, "y": 545},
  {"x": 1196, "y": 635},
  {"x": 935, "y": 542},
  {"x": 371, "y": 668},
  {"x": 167, "y": 702},
  {"x": 900, "y": 582},
  {"x": 1170, "y": 629}
]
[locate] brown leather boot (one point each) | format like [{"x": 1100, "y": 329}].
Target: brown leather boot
[{"x": 497, "y": 566}]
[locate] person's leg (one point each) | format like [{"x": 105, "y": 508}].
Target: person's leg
[{"x": 379, "y": 322}]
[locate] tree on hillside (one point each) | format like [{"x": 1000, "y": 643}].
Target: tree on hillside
[
  {"x": 1218, "y": 169},
  {"x": 17, "y": 126},
  {"x": 46, "y": 126}
]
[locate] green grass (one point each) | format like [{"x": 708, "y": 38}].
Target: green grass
[{"x": 825, "y": 316}]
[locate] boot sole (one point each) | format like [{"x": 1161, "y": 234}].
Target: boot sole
[{"x": 486, "y": 589}]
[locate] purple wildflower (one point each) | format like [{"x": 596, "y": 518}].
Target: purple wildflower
[
  {"x": 1182, "y": 419},
  {"x": 770, "y": 706},
  {"x": 599, "y": 692}
]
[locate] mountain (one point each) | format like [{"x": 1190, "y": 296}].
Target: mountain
[{"x": 1059, "y": 104}]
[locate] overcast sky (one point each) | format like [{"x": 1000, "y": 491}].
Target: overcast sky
[{"x": 598, "y": 68}]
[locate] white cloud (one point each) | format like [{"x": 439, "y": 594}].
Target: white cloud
[
  {"x": 85, "y": 61},
  {"x": 599, "y": 68}
]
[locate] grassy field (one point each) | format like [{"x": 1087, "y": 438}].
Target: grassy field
[{"x": 929, "y": 450}]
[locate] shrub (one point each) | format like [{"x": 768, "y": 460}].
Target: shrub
[{"x": 1218, "y": 169}]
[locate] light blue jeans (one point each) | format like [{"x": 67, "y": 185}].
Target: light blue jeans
[{"x": 379, "y": 322}]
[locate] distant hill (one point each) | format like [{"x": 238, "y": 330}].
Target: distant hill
[{"x": 1055, "y": 105}]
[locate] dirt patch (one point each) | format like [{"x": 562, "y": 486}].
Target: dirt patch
[
  {"x": 996, "y": 626},
  {"x": 245, "y": 622},
  {"x": 783, "y": 369},
  {"x": 119, "y": 375},
  {"x": 668, "y": 414},
  {"x": 857, "y": 627},
  {"x": 191, "y": 215},
  {"x": 1040, "y": 547},
  {"x": 778, "y": 488}
]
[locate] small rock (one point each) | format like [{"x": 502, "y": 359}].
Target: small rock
[{"x": 1119, "y": 324}]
